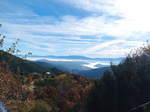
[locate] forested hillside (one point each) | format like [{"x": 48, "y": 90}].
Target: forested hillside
[
  {"x": 20, "y": 65},
  {"x": 35, "y": 91},
  {"x": 63, "y": 93},
  {"x": 94, "y": 73},
  {"x": 126, "y": 87}
]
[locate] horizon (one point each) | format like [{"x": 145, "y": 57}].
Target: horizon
[
  {"x": 96, "y": 29},
  {"x": 44, "y": 56}
]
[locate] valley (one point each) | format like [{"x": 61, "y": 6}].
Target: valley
[{"x": 75, "y": 64}]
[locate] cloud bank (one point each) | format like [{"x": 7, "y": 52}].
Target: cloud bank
[{"x": 110, "y": 29}]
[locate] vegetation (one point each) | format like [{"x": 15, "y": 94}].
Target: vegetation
[
  {"x": 41, "y": 106},
  {"x": 65, "y": 91},
  {"x": 35, "y": 93},
  {"x": 126, "y": 87},
  {"x": 16, "y": 64}
]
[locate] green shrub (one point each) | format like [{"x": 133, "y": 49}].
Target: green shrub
[{"x": 41, "y": 106}]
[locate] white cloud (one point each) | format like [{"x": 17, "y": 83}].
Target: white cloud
[
  {"x": 126, "y": 8},
  {"x": 134, "y": 13},
  {"x": 98, "y": 6},
  {"x": 131, "y": 30},
  {"x": 86, "y": 26},
  {"x": 113, "y": 48},
  {"x": 93, "y": 64},
  {"x": 72, "y": 29}
]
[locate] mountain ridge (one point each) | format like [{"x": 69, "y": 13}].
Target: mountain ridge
[
  {"x": 17, "y": 64},
  {"x": 75, "y": 57},
  {"x": 94, "y": 73}
]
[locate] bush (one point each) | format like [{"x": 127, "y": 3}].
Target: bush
[{"x": 41, "y": 106}]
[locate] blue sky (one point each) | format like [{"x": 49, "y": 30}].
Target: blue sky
[{"x": 94, "y": 28}]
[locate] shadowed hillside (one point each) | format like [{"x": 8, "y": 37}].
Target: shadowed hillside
[
  {"x": 16, "y": 64},
  {"x": 94, "y": 73}
]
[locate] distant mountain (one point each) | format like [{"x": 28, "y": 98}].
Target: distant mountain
[
  {"x": 47, "y": 64},
  {"x": 70, "y": 66},
  {"x": 75, "y": 57},
  {"x": 18, "y": 64},
  {"x": 73, "y": 63},
  {"x": 94, "y": 73}
]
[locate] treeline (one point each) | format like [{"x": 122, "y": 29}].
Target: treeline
[{"x": 126, "y": 87}]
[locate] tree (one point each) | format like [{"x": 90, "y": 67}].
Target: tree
[
  {"x": 11, "y": 92},
  {"x": 102, "y": 97}
]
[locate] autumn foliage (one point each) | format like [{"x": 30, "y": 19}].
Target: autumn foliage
[{"x": 67, "y": 90}]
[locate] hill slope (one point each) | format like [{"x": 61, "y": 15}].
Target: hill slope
[
  {"x": 94, "y": 73},
  {"x": 71, "y": 66},
  {"x": 17, "y": 64}
]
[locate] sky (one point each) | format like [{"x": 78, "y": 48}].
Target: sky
[{"x": 93, "y": 28}]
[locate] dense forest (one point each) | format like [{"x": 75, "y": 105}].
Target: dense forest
[
  {"x": 126, "y": 87},
  {"x": 122, "y": 89}
]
